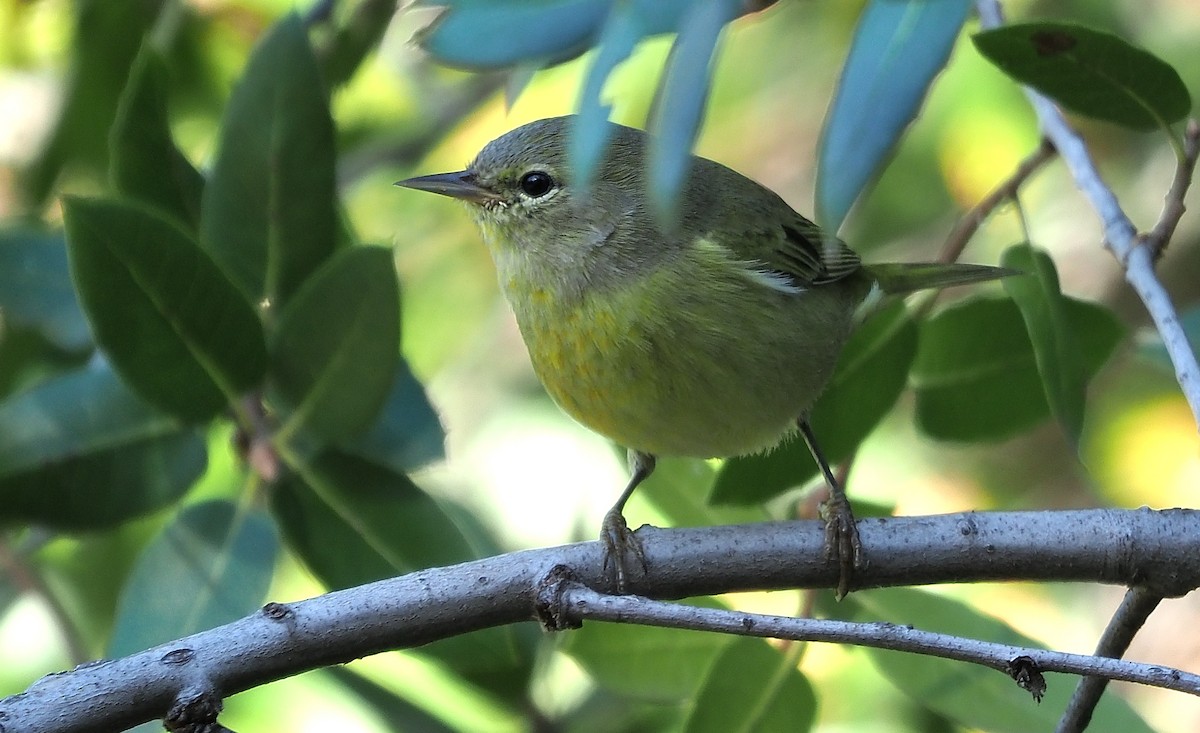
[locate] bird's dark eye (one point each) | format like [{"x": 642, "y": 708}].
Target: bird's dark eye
[{"x": 536, "y": 183}]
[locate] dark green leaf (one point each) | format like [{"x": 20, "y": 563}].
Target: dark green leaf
[
  {"x": 1044, "y": 310},
  {"x": 898, "y": 48},
  {"x": 82, "y": 451},
  {"x": 36, "y": 290},
  {"x": 210, "y": 566},
  {"x": 354, "y": 38},
  {"x": 975, "y": 373},
  {"x": 408, "y": 434},
  {"x": 269, "y": 216},
  {"x": 83, "y": 413},
  {"x": 27, "y": 358},
  {"x": 145, "y": 164},
  {"x": 681, "y": 100},
  {"x": 353, "y": 522},
  {"x": 870, "y": 376},
  {"x": 976, "y": 697},
  {"x": 1090, "y": 72},
  {"x": 645, "y": 662},
  {"x": 752, "y": 687},
  {"x": 105, "y": 40},
  {"x": 335, "y": 349},
  {"x": 176, "y": 330}
]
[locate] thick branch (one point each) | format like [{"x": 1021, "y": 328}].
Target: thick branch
[
  {"x": 1157, "y": 549},
  {"x": 1120, "y": 235}
]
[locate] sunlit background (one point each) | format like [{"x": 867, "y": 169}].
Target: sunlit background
[{"x": 540, "y": 479}]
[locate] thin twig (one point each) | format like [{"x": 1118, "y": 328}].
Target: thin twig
[
  {"x": 26, "y": 577},
  {"x": 1173, "y": 208},
  {"x": 1120, "y": 235},
  {"x": 576, "y": 603},
  {"x": 1130, "y": 617},
  {"x": 973, "y": 219}
]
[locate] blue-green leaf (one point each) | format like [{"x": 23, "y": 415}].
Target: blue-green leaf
[
  {"x": 36, "y": 290},
  {"x": 898, "y": 48},
  {"x": 211, "y": 565},
  {"x": 407, "y": 434}
]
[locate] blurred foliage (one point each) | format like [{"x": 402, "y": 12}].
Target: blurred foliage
[{"x": 210, "y": 378}]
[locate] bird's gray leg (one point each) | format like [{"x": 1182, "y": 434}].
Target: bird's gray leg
[
  {"x": 619, "y": 541},
  {"x": 841, "y": 530}
]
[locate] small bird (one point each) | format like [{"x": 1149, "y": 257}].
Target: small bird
[{"x": 712, "y": 338}]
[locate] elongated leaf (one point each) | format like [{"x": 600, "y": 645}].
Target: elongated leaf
[
  {"x": 869, "y": 378},
  {"x": 105, "y": 488},
  {"x": 752, "y": 686},
  {"x": 175, "y": 328},
  {"x": 1044, "y": 310},
  {"x": 899, "y": 47},
  {"x": 269, "y": 215},
  {"x": 590, "y": 130},
  {"x": 489, "y": 35},
  {"x": 681, "y": 100},
  {"x": 976, "y": 376},
  {"x": 973, "y": 696},
  {"x": 407, "y": 434},
  {"x": 1090, "y": 72},
  {"x": 210, "y": 566},
  {"x": 353, "y": 522},
  {"x": 28, "y": 358},
  {"x": 335, "y": 349},
  {"x": 82, "y": 413},
  {"x": 35, "y": 287},
  {"x": 145, "y": 163}
]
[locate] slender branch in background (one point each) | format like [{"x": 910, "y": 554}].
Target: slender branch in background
[
  {"x": 1160, "y": 549},
  {"x": 1173, "y": 207},
  {"x": 26, "y": 578},
  {"x": 1120, "y": 235},
  {"x": 1136, "y": 607},
  {"x": 567, "y": 604},
  {"x": 1007, "y": 190}
]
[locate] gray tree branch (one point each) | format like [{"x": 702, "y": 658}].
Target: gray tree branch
[{"x": 186, "y": 680}]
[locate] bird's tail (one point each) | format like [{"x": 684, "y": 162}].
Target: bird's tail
[{"x": 901, "y": 278}]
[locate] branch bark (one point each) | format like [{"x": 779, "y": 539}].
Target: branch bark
[{"x": 186, "y": 679}]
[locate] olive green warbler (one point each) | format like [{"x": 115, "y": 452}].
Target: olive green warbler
[{"x": 711, "y": 338}]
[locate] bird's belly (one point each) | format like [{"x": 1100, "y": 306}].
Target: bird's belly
[{"x": 683, "y": 378}]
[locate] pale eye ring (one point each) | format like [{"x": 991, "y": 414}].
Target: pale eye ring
[{"x": 536, "y": 184}]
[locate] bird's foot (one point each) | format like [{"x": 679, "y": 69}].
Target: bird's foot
[
  {"x": 842, "y": 540},
  {"x": 621, "y": 546}
]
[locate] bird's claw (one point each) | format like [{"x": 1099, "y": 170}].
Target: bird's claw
[
  {"x": 842, "y": 540},
  {"x": 620, "y": 544}
]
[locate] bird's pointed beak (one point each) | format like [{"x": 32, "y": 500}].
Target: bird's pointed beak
[{"x": 459, "y": 185}]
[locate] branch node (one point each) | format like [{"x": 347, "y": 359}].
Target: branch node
[
  {"x": 195, "y": 710},
  {"x": 1028, "y": 675},
  {"x": 549, "y": 606},
  {"x": 278, "y": 611},
  {"x": 180, "y": 656}
]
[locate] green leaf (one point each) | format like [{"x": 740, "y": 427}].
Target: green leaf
[
  {"x": 210, "y": 566},
  {"x": 899, "y": 47},
  {"x": 82, "y": 451},
  {"x": 645, "y": 662},
  {"x": 1044, "y": 310},
  {"x": 1090, "y": 72},
  {"x": 975, "y": 697},
  {"x": 353, "y": 522},
  {"x": 408, "y": 434},
  {"x": 105, "y": 39},
  {"x": 145, "y": 163},
  {"x": 81, "y": 413},
  {"x": 36, "y": 290},
  {"x": 269, "y": 216},
  {"x": 27, "y": 358},
  {"x": 334, "y": 352},
  {"x": 752, "y": 687},
  {"x": 354, "y": 38},
  {"x": 176, "y": 330},
  {"x": 870, "y": 376},
  {"x": 976, "y": 376}
]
